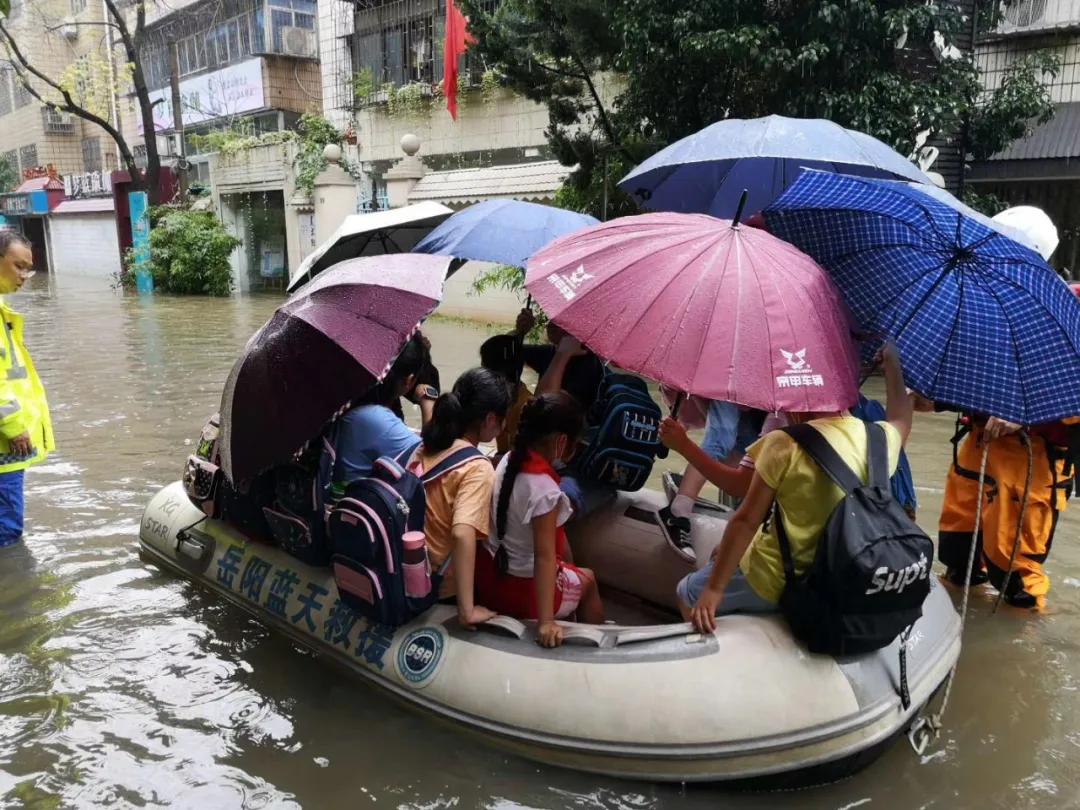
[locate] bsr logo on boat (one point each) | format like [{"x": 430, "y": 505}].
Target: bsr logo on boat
[
  {"x": 886, "y": 579},
  {"x": 419, "y": 654}
]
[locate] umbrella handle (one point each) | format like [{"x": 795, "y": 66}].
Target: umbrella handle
[
  {"x": 680, "y": 398},
  {"x": 739, "y": 210}
]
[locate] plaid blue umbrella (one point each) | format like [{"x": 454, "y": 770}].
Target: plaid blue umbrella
[{"x": 981, "y": 321}]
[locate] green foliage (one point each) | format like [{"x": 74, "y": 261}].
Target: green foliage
[
  {"x": 363, "y": 83},
  {"x": 234, "y": 140},
  {"x": 9, "y": 176},
  {"x": 985, "y": 203},
  {"x": 5, "y": 7},
  {"x": 679, "y": 65},
  {"x": 189, "y": 252},
  {"x": 315, "y": 134},
  {"x": 1021, "y": 101},
  {"x": 511, "y": 279}
]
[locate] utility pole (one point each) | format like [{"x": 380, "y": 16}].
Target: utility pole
[{"x": 178, "y": 120}]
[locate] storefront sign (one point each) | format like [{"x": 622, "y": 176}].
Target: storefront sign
[
  {"x": 140, "y": 241},
  {"x": 89, "y": 184},
  {"x": 229, "y": 91},
  {"x": 34, "y": 172},
  {"x": 15, "y": 205}
]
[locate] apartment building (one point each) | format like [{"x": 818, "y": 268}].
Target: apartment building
[
  {"x": 382, "y": 67},
  {"x": 241, "y": 64},
  {"x": 1043, "y": 169}
]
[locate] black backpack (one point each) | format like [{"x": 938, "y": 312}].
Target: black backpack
[
  {"x": 624, "y": 438},
  {"x": 871, "y": 570}
]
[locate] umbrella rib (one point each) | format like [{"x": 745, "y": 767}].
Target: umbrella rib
[
  {"x": 712, "y": 310},
  {"x": 948, "y": 268},
  {"x": 952, "y": 334},
  {"x": 1016, "y": 351},
  {"x": 685, "y": 308}
]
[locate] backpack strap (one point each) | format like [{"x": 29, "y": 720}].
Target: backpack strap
[
  {"x": 784, "y": 543},
  {"x": 819, "y": 449},
  {"x": 877, "y": 456},
  {"x": 457, "y": 459}
]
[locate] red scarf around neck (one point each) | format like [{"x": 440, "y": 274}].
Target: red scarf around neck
[{"x": 535, "y": 464}]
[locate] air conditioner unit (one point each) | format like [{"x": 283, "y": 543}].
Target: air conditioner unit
[
  {"x": 70, "y": 30},
  {"x": 298, "y": 42},
  {"x": 1023, "y": 16}
]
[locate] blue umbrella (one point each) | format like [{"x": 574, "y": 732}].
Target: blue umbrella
[
  {"x": 981, "y": 321},
  {"x": 705, "y": 173},
  {"x": 502, "y": 231}
]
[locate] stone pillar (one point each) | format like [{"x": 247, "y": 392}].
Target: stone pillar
[
  {"x": 335, "y": 195},
  {"x": 405, "y": 174}
]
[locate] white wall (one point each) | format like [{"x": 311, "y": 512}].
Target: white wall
[{"x": 84, "y": 245}]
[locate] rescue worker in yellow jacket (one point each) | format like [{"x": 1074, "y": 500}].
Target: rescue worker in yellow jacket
[{"x": 26, "y": 436}]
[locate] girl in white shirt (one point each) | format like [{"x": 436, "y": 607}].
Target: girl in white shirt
[{"x": 521, "y": 569}]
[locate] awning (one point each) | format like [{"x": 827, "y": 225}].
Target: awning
[
  {"x": 521, "y": 181},
  {"x": 93, "y": 205},
  {"x": 1057, "y": 138},
  {"x": 40, "y": 184}
]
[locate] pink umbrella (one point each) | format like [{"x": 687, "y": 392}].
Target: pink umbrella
[{"x": 724, "y": 312}]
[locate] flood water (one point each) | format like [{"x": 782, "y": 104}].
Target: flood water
[{"x": 121, "y": 686}]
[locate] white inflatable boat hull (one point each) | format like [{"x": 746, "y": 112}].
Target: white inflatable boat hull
[{"x": 658, "y": 702}]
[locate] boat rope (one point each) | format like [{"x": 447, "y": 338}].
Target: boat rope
[
  {"x": 928, "y": 727},
  {"x": 1026, "y": 441}
]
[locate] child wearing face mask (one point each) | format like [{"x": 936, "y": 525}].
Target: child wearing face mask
[{"x": 520, "y": 568}]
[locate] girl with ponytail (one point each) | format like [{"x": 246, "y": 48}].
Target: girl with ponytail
[
  {"x": 459, "y": 503},
  {"x": 520, "y": 571}
]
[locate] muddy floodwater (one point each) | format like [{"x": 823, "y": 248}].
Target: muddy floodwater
[{"x": 121, "y": 686}]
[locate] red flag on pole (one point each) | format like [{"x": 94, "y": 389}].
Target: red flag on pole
[{"x": 457, "y": 40}]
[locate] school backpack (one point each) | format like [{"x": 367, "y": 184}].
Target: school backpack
[
  {"x": 871, "y": 570},
  {"x": 208, "y": 488},
  {"x": 380, "y": 558},
  {"x": 624, "y": 438},
  {"x": 297, "y": 515}
]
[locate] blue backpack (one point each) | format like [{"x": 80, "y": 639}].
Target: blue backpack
[
  {"x": 624, "y": 440},
  {"x": 297, "y": 514},
  {"x": 380, "y": 558}
]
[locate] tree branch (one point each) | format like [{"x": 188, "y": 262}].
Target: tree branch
[{"x": 24, "y": 67}]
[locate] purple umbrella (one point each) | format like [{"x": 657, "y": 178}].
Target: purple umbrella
[{"x": 328, "y": 344}]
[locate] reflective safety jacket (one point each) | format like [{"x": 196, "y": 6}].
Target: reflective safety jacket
[{"x": 23, "y": 407}]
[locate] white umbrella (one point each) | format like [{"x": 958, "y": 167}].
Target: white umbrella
[{"x": 375, "y": 234}]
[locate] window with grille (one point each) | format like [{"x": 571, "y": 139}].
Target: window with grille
[
  {"x": 401, "y": 41},
  {"x": 292, "y": 27},
  {"x": 5, "y": 92},
  {"x": 78, "y": 6},
  {"x": 139, "y": 153},
  {"x": 11, "y": 158},
  {"x": 91, "y": 154},
  {"x": 28, "y": 158}
]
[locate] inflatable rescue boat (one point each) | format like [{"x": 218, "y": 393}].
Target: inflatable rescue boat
[{"x": 645, "y": 697}]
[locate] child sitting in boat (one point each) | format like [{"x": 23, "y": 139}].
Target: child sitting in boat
[
  {"x": 746, "y": 572},
  {"x": 458, "y": 512},
  {"x": 521, "y": 569}
]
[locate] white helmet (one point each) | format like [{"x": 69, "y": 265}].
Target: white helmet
[{"x": 1034, "y": 224}]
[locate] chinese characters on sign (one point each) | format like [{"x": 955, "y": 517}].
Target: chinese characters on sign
[
  {"x": 89, "y": 184},
  {"x": 140, "y": 242}
]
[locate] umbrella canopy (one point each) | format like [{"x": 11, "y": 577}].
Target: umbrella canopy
[
  {"x": 723, "y": 312},
  {"x": 706, "y": 172},
  {"x": 981, "y": 321},
  {"x": 502, "y": 231},
  {"x": 374, "y": 234},
  {"x": 327, "y": 345}
]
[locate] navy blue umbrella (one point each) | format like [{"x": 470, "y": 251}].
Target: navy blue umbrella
[
  {"x": 705, "y": 173},
  {"x": 502, "y": 231},
  {"x": 981, "y": 321}
]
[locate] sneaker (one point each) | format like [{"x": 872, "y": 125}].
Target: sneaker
[
  {"x": 677, "y": 533},
  {"x": 956, "y": 577}
]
